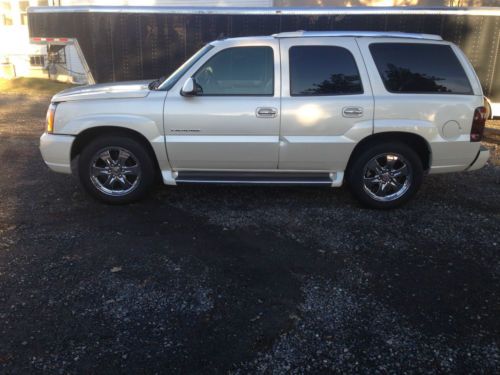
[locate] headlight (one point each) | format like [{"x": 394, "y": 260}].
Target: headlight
[{"x": 51, "y": 112}]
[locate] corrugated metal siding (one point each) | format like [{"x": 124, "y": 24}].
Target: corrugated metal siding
[
  {"x": 125, "y": 46},
  {"x": 201, "y": 3}
]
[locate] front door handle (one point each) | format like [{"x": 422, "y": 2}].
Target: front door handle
[
  {"x": 352, "y": 111},
  {"x": 266, "y": 112}
]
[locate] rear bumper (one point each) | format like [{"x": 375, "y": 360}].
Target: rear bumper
[
  {"x": 56, "y": 151},
  {"x": 482, "y": 157}
]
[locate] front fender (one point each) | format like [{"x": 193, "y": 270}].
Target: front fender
[
  {"x": 144, "y": 117},
  {"x": 147, "y": 127}
]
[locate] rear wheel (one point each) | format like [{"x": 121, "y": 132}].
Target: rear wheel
[
  {"x": 116, "y": 169},
  {"x": 385, "y": 175}
]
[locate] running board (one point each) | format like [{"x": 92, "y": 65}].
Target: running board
[{"x": 260, "y": 178}]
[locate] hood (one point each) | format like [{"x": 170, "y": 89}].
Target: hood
[{"x": 116, "y": 90}]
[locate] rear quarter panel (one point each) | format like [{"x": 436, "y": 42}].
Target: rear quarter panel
[{"x": 443, "y": 120}]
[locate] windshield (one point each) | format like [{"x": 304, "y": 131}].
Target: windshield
[{"x": 175, "y": 76}]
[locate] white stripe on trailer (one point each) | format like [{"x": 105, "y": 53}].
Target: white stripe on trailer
[{"x": 452, "y": 11}]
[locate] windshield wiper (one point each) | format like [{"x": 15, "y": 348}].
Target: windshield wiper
[{"x": 156, "y": 83}]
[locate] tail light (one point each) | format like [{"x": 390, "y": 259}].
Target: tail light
[{"x": 478, "y": 122}]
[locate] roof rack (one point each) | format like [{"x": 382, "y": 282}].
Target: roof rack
[{"x": 356, "y": 34}]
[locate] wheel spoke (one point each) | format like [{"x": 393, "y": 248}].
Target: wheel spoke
[
  {"x": 372, "y": 180},
  {"x": 123, "y": 156},
  {"x": 106, "y": 157},
  {"x": 110, "y": 181},
  {"x": 391, "y": 161},
  {"x": 124, "y": 182},
  {"x": 374, "y": 165},
  {"x": 403, "y": 171},
  {"x": 99, "y": 171},
  {"x": 396, "y": 184},
  {"x": 130, "y": 170},
  {"x": 384, "y": 187}
]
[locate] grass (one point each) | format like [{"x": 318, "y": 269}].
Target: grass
[{"x": 32, "y": 86}]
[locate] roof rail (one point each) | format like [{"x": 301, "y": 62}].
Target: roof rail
[{"x": 356, "y": 34}]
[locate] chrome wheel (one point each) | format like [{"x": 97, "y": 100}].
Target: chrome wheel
[
  {"x": 386, "y": 177},
  {"x": 115, "y": 171}
]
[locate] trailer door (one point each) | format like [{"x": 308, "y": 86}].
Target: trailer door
[{"x": 233, "y": 124}]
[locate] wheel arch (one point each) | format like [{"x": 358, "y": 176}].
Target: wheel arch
[
  {"x": 415, "y": 141},
  {"x": 85, "y": 137}
]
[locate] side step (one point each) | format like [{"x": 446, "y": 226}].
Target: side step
[{"x": 280, "y": 178}]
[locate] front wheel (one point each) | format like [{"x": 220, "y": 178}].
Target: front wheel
[
  {"x": 116, "y": 169},
  {"x": 385, "y": 175}
]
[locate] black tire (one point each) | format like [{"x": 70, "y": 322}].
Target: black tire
[
  {"x": 364, "y": 184},
  {"x": 139, "y": 161}
]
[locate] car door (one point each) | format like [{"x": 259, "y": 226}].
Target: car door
[
  {"x": 327, "y": 103},
  {"x": 233, "y": 123}
]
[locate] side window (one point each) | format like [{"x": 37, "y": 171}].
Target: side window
[
  {"x": 238, "y": 71},
  {"x": 323, "y": 70},
  {"x": 420, "y": 68}
]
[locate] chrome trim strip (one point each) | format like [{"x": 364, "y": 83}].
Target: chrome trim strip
[
  {"x": 278, "y": 171},
  {"x": 301, "y": 139},
  {"x": 457, "y": 11},
  {"x": 221, "y": 139},
  {"x": 254, "y": 182}
]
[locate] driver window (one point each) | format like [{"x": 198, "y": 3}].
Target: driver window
[{"x": 238, "y": 71}]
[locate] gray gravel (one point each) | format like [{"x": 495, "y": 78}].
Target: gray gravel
[{"x": 206, "y": 279}]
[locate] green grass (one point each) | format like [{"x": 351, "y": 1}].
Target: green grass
[{"x": 32, "y": 86}]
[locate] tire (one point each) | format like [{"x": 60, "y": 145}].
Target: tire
[
  {"x": 385, "y": 175},
  {"x": 116, "y": 169}
]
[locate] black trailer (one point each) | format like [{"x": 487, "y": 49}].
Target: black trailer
[{"x": 128, "y": 43}]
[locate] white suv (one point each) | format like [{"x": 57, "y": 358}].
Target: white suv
[{"x": 376, "y": 109}]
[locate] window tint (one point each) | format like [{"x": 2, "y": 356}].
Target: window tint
[
  {"x": 420, "y": 68},
  {"x": 323, "y": 70},
  {"x": 238, "y": 71}
]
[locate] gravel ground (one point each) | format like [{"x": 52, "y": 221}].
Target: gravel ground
[{"x": 241, "y": 280}]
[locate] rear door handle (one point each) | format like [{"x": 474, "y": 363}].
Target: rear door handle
[
  {"x": 266, "y": 112},
  {"x": 352, "y": 111}
]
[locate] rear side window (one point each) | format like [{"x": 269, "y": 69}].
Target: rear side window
[
  {"x": 420, "y": 68},
  {"x": 323, "y": 70},
  {"x": 238, "y": 71}
]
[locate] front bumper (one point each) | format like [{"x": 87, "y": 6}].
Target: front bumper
[
  {"x": 56, "y": 151},
  {"x": 481, "y": 159}
]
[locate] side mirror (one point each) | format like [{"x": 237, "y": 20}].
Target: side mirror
[{"x": 189, "y": 88}]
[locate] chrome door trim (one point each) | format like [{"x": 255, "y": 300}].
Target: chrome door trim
[{"x": 222, "y": 139}]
